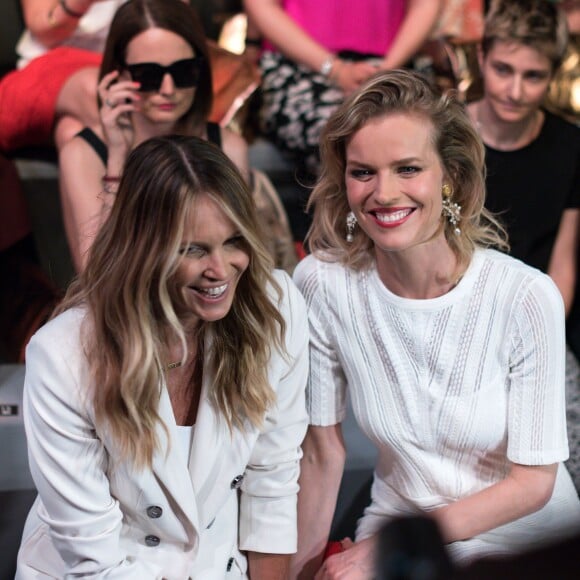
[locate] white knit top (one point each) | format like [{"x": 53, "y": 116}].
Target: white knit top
[{"x": 449, "y": 389}]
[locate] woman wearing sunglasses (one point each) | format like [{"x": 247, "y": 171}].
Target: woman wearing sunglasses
[{"x": 155, "y": 80}]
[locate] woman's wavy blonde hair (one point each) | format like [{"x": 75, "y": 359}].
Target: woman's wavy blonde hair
[
  {"x": 136, "y": 308},
  {"x": 456, "y": 141}
]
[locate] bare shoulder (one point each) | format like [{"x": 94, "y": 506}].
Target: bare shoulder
[
  {"x": 79, "y": 148},
  {"x": 233, "y": 141}
]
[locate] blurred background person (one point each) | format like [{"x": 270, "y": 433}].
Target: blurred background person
[
  {"x": 318, "y": 52},
  {"x": 533, "y": 156},
  {"x": 51, "y": 95},
  {"x": 155, "y": 79}
]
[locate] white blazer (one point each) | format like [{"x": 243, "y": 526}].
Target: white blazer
[{"x": 97, "y": 517}]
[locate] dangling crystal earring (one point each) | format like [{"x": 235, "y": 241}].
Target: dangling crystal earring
[
  {"x": 350, "y": 224},
  {"x": 451, "y": 210}
]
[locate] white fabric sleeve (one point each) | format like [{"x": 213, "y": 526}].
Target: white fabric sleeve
[
  {"x": 326, "y": 392},
  {"x": 268, "y": 502},
  {"x": 68, "y": 463},
  {"x": 536, "y": 412}
]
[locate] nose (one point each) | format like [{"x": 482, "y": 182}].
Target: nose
[
  {"x": 216, "y": 267},
  {"x": 167, "y": 85},
  {"x": 386, "y": 190},
  {"x": 516, "y": 88}
]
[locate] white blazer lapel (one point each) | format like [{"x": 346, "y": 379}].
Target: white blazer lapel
[
  {"x": 169, "y": 466},
  {"x": 206, "y": 450},
  {"x": 218, "y": 457}
]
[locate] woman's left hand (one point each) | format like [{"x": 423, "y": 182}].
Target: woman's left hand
[
  {"x": 356, "y": 562},
  {"x": 349, "y": 76}
]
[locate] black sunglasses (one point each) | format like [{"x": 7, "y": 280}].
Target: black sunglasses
[{"x": 185, "y": 73}]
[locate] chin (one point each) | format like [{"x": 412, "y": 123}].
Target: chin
[{"x": 212, "y": 315}]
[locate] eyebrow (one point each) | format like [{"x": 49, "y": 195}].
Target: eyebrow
[
  {"x": 402, "y": 161},
  {"x": 499, "y": 61},
  {"x": 189, "y": 243},
  {"x": 407, "y": 160}
]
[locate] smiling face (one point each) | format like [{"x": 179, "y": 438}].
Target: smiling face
[
  {"x": 516, "y": 79},
  {"x": 214, "y": 259},
  {"x": 393, "y": 180},
  {"x": 169, "y": 103}
]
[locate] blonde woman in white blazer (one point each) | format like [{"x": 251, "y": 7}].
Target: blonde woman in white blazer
[{"x": 164, "y": 405}]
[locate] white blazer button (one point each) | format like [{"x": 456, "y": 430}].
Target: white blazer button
[
  {"x": 237, "y": 482},
  {"x": 152, "y": 541},
  {"x": 154, "y": 511}
]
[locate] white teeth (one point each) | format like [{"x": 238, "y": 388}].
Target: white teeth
[
  {"x": 392, "y": 217},
  {"x": 214, "y": 292}
]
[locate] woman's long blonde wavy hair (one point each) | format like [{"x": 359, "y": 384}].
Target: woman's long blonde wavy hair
[
  {"x": 135, "y": 307},
  {"x": 456, "y": 141}
]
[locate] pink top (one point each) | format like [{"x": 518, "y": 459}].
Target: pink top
[{"x": 366, "y": 26}]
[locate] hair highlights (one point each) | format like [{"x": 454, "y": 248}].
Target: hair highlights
[
  {"x": 135, "y": 308},
  {"x": 455, "y": 139}
]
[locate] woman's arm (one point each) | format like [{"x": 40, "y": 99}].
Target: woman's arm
[
  {"x": 525, "y": 490},
  {"x": 49, "y": 23},
  {"x": 321, "y": 471},
  {"x": 86, "y": 198},
  {"x": 236, "y": 148},
  {"x": 270, "y": 486},
  {"x": 295, "y": 43},
  {"x": 268, "y": 566},
  {"x": 281, "y": 30},
  {"x": 564, "y": 259},
  {"x": 85, "y": 205},
  {"x": 69, "y": 462},
  {"x": 420, "y": 18},
  {"x": 536, "y": 418}
]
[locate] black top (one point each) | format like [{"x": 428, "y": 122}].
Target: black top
[
  {"x": 213, "y": 135},
  {"x": 531, "y": 187}
]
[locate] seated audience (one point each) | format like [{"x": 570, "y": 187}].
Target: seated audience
[
  {"x": 52, "y": 94},
  {"x": 317, "y": 52},
  {"x": 155, "y": 80},
  {"x": 532, "y": 156},
  {"x": 452, "y": 353},
  {"x": 164, "y": 404}
]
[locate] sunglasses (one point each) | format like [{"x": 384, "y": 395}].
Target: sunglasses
[{"x": 185, "y": 73}]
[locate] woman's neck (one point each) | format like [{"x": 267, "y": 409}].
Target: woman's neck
[
  {"x": 501, "y": 135},
  {"x": 419, "y": 273},
  {"x": 184, "y": 379},
  {"x": 145, "y": 130}
]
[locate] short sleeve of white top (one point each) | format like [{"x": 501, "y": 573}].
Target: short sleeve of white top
[{"x": 448, "y": 388}]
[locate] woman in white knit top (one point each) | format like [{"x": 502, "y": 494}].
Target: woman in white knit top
[{"x": 452, "y": 353}]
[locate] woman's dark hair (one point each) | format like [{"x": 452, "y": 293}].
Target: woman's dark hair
[{"x": 136, "y": 16}]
